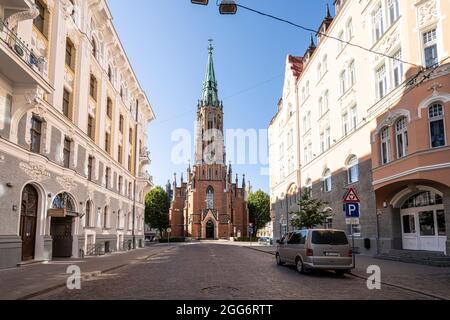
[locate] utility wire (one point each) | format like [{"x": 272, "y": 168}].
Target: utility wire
[{"x": 326, "y": 35}]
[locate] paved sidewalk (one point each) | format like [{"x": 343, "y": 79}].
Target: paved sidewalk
[
  {"x": 24, "y": 282},
  {"x": 431, "y": 280}
]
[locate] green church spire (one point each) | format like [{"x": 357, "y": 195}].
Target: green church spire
[{"x": 210, "y": 96}]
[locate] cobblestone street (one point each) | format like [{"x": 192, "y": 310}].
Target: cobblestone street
[{"x": 218, "y": 271}]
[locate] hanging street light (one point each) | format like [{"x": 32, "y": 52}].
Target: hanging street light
[
  {"x": 202, "y": 2},
  {"x": 228, "y": 7}
]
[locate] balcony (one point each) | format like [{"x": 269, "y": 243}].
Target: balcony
[
  {"x": 144, "y": 157},
  {"x": 145, "y": 181},
  {"x": 18, "y": 63}
]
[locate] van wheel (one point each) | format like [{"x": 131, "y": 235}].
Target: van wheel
[
  {"x": 299, "y": 265},
  {"x": 278, "y": 258}
]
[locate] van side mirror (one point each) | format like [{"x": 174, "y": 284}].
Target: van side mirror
[{"x": 279, "y": 241}]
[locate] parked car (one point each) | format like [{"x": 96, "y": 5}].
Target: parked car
[
  {"x": 265, "y": 241},
  {"x": 325, "y": 249}
]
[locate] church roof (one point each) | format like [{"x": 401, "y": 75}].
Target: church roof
[{"x": 210, "y": 96}]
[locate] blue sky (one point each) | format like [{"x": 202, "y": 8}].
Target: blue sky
[{"x": 166, "y": 41}]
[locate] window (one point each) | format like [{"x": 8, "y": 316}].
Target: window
[
  {"x": 210, "y": 121},
  {"x": 290, "y": 137},
  {"x": 90, "y": 168},
  {"x": 342, "y": 82},
  {"x": 107, "y": 177},
  {"x": 93, "y": 87},
  {"x": 67, "y": 145},
  {"x": 121, "y": 123},
  {"x": 381, "y": 82},
  {"x": 91, "y": 127},
  {"x": 394, "y": 10},
  {"x": 110, "y": 75},
  {"x": 377, "y": 21},
  {"x": 308, "y": 120},
  {"x": 325, "y": 102},
  {"x": 307, "y": 89},
  {"x": 35, "y": 131},
  {"x": 401, "y": 134},
  {"x": 109, "y": 108},
  {"x": 310, "y": 155},
  {"x": 349, "y": 29},
  {"x": 385, "y": 145},
  {"x": 328, "y": 138},
  {"x": 321, "y": 111},
  {"x": 341, "y": 41},
  {"x": 352, "y": 74},
  {"x": 119, "y": 154},
  {"x": 327, "y": 183},
  {"x": 106, "y": 218},
  {"x": 397, "y": 68},
  {"x": 353, "y": 117},
  {"x": 130, "y": 136},
  {"x": 120, "y": 184},
  {"x": 430, "y": 48},
  {"x": 94, "y": 48},
  {"x": 130, "y": 190},
  {"x": 39, "y": 21},
  {"x": 107, "y": 142},
  {"x": 319, "y": 72},
  {"x": 353, "y": 170},
  {"x": 69, "y": 54},
  {"x": 436, "y": 118},
  {"x": 322, "y": 142},
  {"x": 130, "y": 164},
  {"x": 87, "y": 219},
  {"x": 210, "y": 198},
  {"x": 308, "y": 187},
  {"x": 66, "y": 103},
  {"x": 345, "y": 124},
  {"x": 325, "y": 64}
]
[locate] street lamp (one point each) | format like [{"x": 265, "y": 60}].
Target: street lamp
[
  {"x": 228, "y": 7},
  {"x": 202, "y": 2},
  {"x": 225, "y": 6}
]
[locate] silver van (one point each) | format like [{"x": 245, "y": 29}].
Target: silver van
[{"x": 325, "y": 249}]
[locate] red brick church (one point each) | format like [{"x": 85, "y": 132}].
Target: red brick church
[{"x": 209, "y": 205}]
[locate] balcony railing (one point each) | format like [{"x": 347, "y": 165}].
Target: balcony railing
[{"x": 20, "y": 49}]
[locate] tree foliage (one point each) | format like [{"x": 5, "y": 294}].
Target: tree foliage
[
  {"x": 312, "y": 212},
  {"x": 157, "y": 205},
  {"x": 259, "y": 209}
]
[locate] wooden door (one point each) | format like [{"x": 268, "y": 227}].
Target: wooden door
[{"x": 28, "y": 219}]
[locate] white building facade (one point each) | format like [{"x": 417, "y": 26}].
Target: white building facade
[
  {"x": 73, "y": 121},
  {"x": 345, "y": 95}
]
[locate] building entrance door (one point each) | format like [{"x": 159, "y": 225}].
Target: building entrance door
[
  {"x": 423, "y": 223},
  {"x": 210, "y": 230},
  {"x": 28, "y": 219},
  {"x": 61, "y": 232}
]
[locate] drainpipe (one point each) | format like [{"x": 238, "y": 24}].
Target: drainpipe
[{"x": 136, "y": 159}]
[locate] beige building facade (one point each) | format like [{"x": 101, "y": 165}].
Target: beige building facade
[
  {"x": 73, "y": 121},
  {"x": 375, "y": 120}
]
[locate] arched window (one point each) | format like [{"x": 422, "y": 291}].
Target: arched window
[
  {"x": 210, "y": 121},
  {"x": 87, "y": 219},
  {"x": 436, "y": 118},
  {"x": 106, "y": 217},
  {"x": 385, "y": 145},
  {"x": 110, "y": 75},
  {"x": 325, "y": 64},
  {"x": 326, "y": 181},
  {"x": 401, "y": 137},
  {"x": 353, "y": 169},
  {"x": 64, "y": 201},
  {"x": 210, "y": 198}
]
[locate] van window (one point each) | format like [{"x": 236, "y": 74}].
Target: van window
[
  {"x": 329, "y": 237},
  {"x": 295, "y": 238}
]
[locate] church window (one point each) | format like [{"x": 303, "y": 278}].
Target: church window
[{"x": 210, "y": 198}]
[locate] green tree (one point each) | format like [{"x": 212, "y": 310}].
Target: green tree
[
  {"x": 259, "y": 209},
  {"x": 157, "y": 205},
  {"x": 311, "y": 213}
]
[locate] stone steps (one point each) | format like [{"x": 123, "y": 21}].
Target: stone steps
[{"x": 436, "y": 259}]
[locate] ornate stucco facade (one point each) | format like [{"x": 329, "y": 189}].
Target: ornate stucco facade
[
  {"x": 73, "y": 121},
  {"x": 209, "y": 204},
  {"x": 377, "y": 121}
]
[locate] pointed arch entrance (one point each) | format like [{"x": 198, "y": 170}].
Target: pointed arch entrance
[
  {"x": 210, "y": 232},
  {"x": 28, "y": 221}
]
